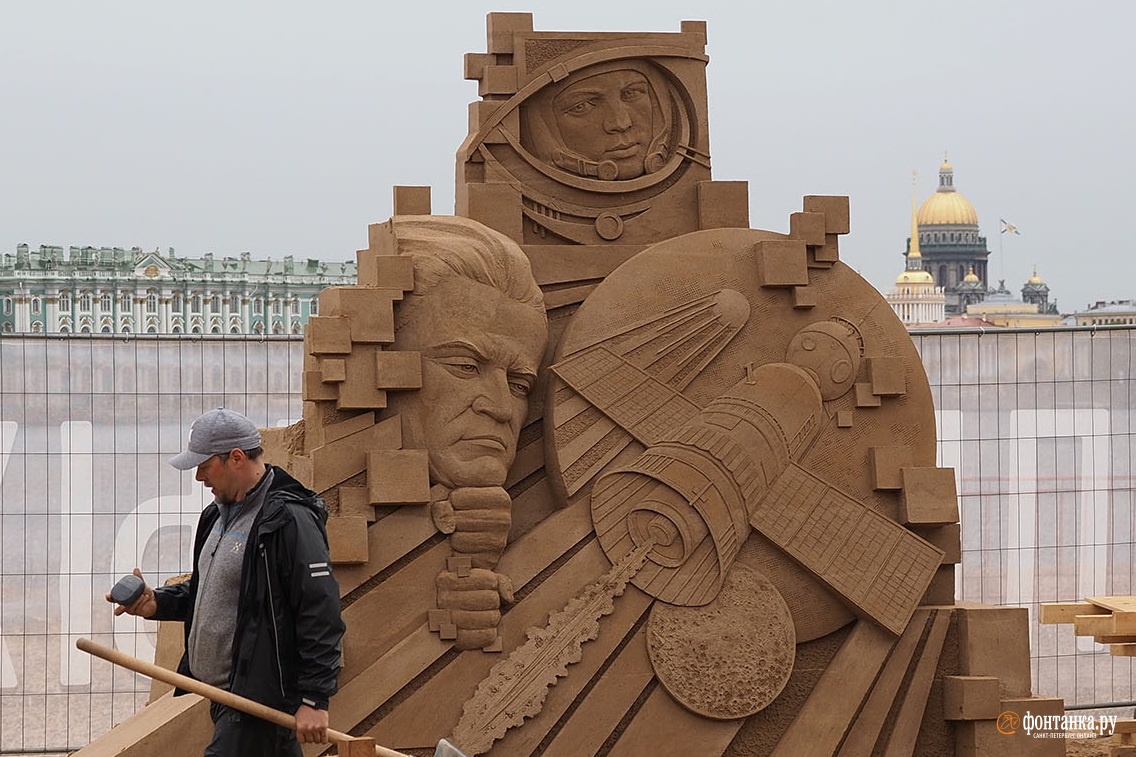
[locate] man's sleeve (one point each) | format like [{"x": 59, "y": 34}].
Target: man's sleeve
[
  {"x": 174, "y": 602},
  {"x": 317, "y": 607}
]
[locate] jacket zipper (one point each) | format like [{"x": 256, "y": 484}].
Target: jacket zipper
[{"x": 275, "y": 630}]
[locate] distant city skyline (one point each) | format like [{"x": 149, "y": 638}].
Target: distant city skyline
[{"x": 231, "y": 127}]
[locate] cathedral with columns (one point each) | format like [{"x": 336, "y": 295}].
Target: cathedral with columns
[{"x": 945, "y": 272}]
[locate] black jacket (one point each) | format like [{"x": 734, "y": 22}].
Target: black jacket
[{"x": 287, "y": 648}]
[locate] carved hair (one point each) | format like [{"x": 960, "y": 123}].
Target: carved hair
[{"x": 445, "y": 247}]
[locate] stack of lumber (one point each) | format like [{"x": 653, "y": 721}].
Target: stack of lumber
[{"x": 1109, "y": 620}]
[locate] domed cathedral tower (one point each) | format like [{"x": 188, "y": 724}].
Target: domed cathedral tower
[
  {"x": 950, "y": 242},
  {"x": 1036, "y": 291},
  {"x": 971, "y": 290},
  {"x": 916, "y": 298}
]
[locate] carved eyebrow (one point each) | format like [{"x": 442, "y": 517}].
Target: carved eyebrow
[{"x": 458, "y": 345}]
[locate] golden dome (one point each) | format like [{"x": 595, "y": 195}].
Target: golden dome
[
  {"x": 1035, "y": 279},
  {"x": 947, "y": 206},
  {"x": 915, "y": 277},
  {"x": 971, "y": 277}
]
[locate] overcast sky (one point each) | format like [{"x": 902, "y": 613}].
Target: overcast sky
[{"x": 279, "y": 128}]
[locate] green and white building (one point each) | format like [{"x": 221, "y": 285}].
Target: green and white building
[{"x": 91, "y": 290}]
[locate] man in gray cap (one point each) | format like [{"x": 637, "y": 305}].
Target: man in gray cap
[{"x": 261, "y": 608}]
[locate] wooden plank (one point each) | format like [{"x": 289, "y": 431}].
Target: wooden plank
[
  {"x": 870, "y": 721},
  {"x": 1122, "y": 650},
  {"x": 596, "y": 717},
  {"x": 664, "y": 727},
  {"x": 1064, "y": 612},
  {"x": 1091, "y": 625},
  {"x": 827, "y": 714},
  {"x": 1114, "y": 603},
  {"x": 1123, "y": 622},
  {"x": 911, "y": 711}
]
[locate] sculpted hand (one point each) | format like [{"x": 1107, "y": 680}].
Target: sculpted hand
[
  {"x": 473, "y": 602},
  {"x": 311, "y": 725},
  {"x": 478, "y": 521},
  {"x": 144, "y": 607}
]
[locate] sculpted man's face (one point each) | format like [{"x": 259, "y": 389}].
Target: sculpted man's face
[
  {"x": 608, "y": 117},
  {"x": 480, "y": 355}
]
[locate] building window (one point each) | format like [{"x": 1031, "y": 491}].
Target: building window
[
  {"x": 105, "y": 329},
  {"x": 124, "y": 302},
  {"x": 151, "y": 329},
  {"x": 295, "y": 306},
  {"x": 276, "y": 306},
  {"x": 176, "y": 302},
  {"x": 257, "y": 306},
  {"x": 104, "y": 301},
  {"x": 64, "y": 301},
  {"x": 37, "y": 305},
  {"x": 7, "y": 328},
  {"x": 64, "y": 329},
  {"x": 151, "y": 301},
  {"x": 85, "y": 330},
  {"x": 7, "y": 306},
  {"x": 234, "y": 302},
  {"x": 215, "y": 304},
  {"x": 37, "y": 327},
  {"x": 176, "y": 329},
  {"x": 314, "y": 306},
  {"x": 234, "y": 330},
  {"x": 195, "y": 304},
  {"x": 85, "y": 303}
]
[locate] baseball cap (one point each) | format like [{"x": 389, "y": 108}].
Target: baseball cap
[{"x": 217, "y": 432}]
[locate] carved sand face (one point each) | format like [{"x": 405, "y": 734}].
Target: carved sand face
[
  {"x": 480, "y": 355},
  {"x": 607, "y": 117}
]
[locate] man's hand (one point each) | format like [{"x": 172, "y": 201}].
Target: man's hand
[
  {"x": 146, "y": 606},
  {"x": 311, "y": 725}
]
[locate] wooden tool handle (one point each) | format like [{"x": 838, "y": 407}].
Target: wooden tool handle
[{"x": 212, "y": 693}]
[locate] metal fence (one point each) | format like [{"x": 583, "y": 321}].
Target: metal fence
[{"x": 1037, "y": 425}]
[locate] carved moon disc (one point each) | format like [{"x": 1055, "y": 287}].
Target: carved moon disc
[{"x": 730, "y": 658}]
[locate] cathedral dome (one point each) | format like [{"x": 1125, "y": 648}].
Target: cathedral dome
[{"x": 947, "y": 207}]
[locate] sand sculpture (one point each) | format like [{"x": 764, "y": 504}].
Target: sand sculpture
[{"x": 694, "y": 509}]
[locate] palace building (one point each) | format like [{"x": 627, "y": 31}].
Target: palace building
[{"x": 93, "y": 290}]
